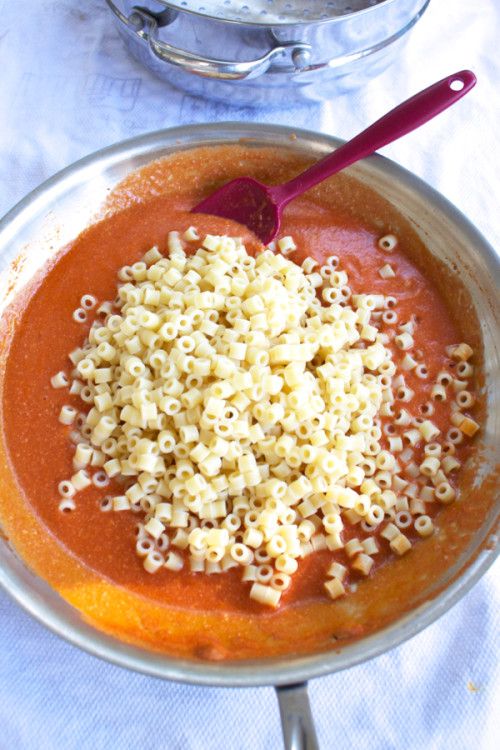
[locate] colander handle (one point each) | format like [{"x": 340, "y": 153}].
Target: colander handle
[
  {"x": 296, "y": 718},
  {"x": 145, "y": 24}
]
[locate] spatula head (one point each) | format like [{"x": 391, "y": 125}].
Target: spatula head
[{"x": 248, "y": 202}]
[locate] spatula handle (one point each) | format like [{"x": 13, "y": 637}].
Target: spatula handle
[{"x": 403, "y": 119}]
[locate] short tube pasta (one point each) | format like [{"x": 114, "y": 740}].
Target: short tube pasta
[{"x": 249, "y": 410}]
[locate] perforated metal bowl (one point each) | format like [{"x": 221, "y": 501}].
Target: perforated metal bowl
[{"x": 266, "y": 52}]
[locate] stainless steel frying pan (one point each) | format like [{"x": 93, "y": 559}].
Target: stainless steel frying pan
[{"x": 59, "y": 209}]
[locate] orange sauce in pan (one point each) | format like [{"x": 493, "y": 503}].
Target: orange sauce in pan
[{"x": 89, "y": 556}]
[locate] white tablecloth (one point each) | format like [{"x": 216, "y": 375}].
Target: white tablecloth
[{"x": 67, "y": 89}]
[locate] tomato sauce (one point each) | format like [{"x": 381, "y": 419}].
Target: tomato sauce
[{"x": 89, "y": 556}]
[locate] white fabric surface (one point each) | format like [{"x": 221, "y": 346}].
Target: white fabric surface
[{"x": 66, "y": 89}]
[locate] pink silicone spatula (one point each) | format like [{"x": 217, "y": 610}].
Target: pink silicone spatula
[{"x": 260, "y": 207}]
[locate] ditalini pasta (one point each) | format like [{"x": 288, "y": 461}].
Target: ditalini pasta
[{"x": 251, "y": 411}]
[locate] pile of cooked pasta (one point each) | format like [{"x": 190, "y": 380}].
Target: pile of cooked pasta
[{"x": 240, "y": 404}]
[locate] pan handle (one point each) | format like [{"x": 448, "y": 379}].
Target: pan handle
[{"x": 296, "y": 717}]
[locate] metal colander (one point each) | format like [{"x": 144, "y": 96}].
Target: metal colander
[
  {"x": 266, "y": 52},
  {"x": 274, "y": 11}
]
